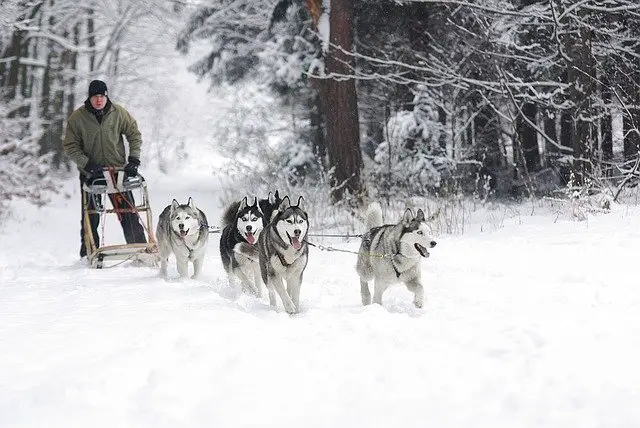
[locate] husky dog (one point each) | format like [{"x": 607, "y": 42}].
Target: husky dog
[
  {"x": 283, "y": 254},
  {"x": 392, "y": 253},
  {"x": 242, "y": 226},
  {"x": 267, "y": 206},
  {"x": 182, "y": 230}
]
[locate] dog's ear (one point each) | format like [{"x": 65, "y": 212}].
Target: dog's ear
[
  {"x": 284, "y": 204},
  {"x": 300, "y": 203},
  {"x": 255, "y": 201},
  {"x": 272, "y": 198},
  {"x": 420, "y": 215},
  {"x": 174, "y": 205},
  {"x": 276, "y": 195},
  {"x": 191, "y": 204},
  {"x": 408, "y": 216},
  {"x": 243, "y": 204}
]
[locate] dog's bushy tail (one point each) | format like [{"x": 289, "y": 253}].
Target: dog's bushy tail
[
  {"x": 373, "y": 216},
  {"x": 229, "y": 214}
]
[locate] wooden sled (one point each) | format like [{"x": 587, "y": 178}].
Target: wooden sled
[{"x": 114, "y": 181}]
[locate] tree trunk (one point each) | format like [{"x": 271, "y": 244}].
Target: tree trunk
[
  {"x": 91, "y": 40},
  {"x": 47, "y": 97},
  {"x": 340, "y": 105},
  {"x": 551, "y": 151},
  {"x": 631, "y": 119},
  {"x": 528, "y": 137},
  {"x": 566, "y": 128},
  {"x": 72, "y": 66},
  {"x": 442, "y": 136},
  {"x": 582, "y": 77},
  {"x": 631, "y": 136},
  {"x": 567, "y": 123},
  {"x": 317, "y": 128},
  {"x": 606, "y": 130},
  {"x": 486, "y": 130},
  {"x": 53, "y": 94},
  {"x": 10, "y": 69}
]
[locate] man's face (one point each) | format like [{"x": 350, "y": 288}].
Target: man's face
[{"x": 98, "y": 101}]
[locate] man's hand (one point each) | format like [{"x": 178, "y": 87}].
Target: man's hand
[
  {"x": 131, "y": 168},
  {"x": 93, "y": 169}
]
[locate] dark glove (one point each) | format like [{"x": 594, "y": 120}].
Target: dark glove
[
  {"x": 93, "y": 169},
  {"x": 131, "y": 168}
]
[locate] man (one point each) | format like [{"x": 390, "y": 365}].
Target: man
[{"x": 93, "y": 140}]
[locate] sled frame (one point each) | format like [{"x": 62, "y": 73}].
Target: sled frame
[{"x": 99, "y": 257}]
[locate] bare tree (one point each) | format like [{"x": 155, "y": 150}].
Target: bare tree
[{"x": 338, "y": 99}]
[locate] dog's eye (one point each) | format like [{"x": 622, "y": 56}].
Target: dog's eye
[
  {"x": 420, "y": 232},
  {"x": 289, "y": 221}
]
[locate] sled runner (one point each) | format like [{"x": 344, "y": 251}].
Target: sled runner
[{"x": 118, "y": 189}]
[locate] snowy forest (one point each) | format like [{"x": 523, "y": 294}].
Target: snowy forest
[{"x": 489, "y": 98}]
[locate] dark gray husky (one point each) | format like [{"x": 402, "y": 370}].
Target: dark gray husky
[
  {"x": 267, "y": 207},
  {"x": 283, "y": 254},
  {"x": 243, "y": 224},
  {"x": 392, "y": 253}
]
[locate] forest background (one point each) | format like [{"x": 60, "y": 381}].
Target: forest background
[{"x": 491, "y": 99}]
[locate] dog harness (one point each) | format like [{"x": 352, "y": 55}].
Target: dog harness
[{"x": 184, "y": 242}]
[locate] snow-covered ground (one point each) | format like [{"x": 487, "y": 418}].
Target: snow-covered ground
[{"x": 536, "y": 324}]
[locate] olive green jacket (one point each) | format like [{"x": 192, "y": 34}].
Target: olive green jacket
[{"x": 102, "y": 143}]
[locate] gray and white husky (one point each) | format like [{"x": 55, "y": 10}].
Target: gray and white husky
[
  {"x": 283, "y": 254},
  {"x": 182, "y": 230},
  {"x": 243, "y": 224},
  {"x": 392, "y": 253}
]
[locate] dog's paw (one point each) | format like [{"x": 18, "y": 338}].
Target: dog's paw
[
  {"x": 251, "y": 290},
  {"x": 418, "y": 303},
  {"x": 291, "y": 310}
]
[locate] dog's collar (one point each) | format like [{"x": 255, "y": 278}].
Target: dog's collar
[
  {"x": 283, "y": 261},
  {"x": 184, "y": 242},
  {"x": 393, "y": 265}
]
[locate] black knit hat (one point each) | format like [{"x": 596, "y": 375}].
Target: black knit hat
[{"x": 97, "y": 87}]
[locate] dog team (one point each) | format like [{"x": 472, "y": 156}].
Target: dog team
[{"x": 264, "y": 242}]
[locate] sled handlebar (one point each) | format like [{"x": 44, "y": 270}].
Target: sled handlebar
[
  {"x": 119, "y": 169},
  {"x": 121, "y": 182},
  {"x": 114, "y": 168}
]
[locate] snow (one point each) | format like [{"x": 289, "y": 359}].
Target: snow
[
  {"x": 324, "y": 25},
  {"x": 534, "y": 323}
]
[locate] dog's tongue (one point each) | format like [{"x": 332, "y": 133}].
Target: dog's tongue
[
  {"x": 250, "y": 238},
  {"x": 296, "y": 243},
  {"x": 422, "y": 250},
  {"x": 183, "y": 233}
]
